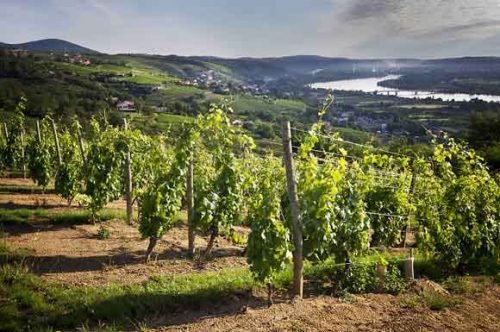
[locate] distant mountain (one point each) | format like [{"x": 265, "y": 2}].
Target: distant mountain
[{"x": 50, "y": 45}]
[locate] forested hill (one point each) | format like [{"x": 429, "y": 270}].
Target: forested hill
[{"x": 50, "y": 45}]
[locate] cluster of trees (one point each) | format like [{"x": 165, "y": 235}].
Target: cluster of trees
[
  {"x": 48, "y": 90},
  {"x": 450, "y": 199},
  {"x": 484, "y": 135},
  {"x": 479, "y": 81},
  {"x": 52, "y": 90}
]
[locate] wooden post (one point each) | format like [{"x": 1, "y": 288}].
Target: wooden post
[
  {"x": 38, "y": 133},
  {"x": 6, "y": 132},
  {"x": 294, "y": 204},
  {"x": 408, "y": 267},
  {"x": 80, "y": 145},
  {"x": 190, "y": 208},
  {"x": 23, "y": 154},
  {"x": 410, "y": 196},
  {"x": 56, "y": 139},
  {"x": 128, "y": 181}
]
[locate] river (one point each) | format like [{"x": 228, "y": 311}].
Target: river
[{"x": 370, "y": 85}]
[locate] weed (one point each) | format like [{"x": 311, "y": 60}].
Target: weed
[
  {"x": 465, "y": 285},
  {"x": 103, "y": 233},
  {"x": 347, "y": 297},
  {"x": 26, "y": 216},
  {"x": 410, "y": 301},
  {"x": 437, "y": 301},
  {"x": 20, "y": 216}
]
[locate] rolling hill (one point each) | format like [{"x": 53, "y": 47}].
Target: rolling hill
[{"x": 50, "y": 45}]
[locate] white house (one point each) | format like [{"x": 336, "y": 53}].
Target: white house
[{"x": 126, "y": 106}]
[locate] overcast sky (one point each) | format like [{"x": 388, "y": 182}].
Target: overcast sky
[{"x": 234, "y": 28}]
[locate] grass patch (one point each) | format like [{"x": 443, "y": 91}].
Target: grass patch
[
  {"x": 8, "y": 255},
  {"x": 267, "y": 109},
  {"x": 26, "y": 216},
  {"x": 410, "y": 301},
  {"x": 467, "y": 284},
  {"x": 83, "y": 216},
  {"x": 27, "y": 303},
  {"x": 158, "y": 121},
  {"x": 432, "y": 300},
  {"x": 438, "y": 302},
  {"x": 21, "y": 216},
  {"x": 30, "y": 189}
]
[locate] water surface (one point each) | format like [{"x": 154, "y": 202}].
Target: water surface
[{"x": 370, "y": 85}]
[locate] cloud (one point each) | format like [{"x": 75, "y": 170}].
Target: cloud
[
  {"x": 373, "y": 8},
  {"x": 409, "y": 27},
  {"x": 354, "y": 28}
]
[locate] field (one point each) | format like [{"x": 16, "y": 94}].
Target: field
[
  {"x": 138, "y": 74},
  {"x": 211, "y": 243},
  {"x": 275, "y": 109},
  {"x": 57, "y": 243}
]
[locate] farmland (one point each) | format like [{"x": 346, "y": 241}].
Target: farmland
[
  {"x": 69, "y": 266},
  {"x": 194, "y": 226},
  {"x": 249, "y": 166}
]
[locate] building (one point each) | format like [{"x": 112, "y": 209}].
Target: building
[{"x": 126, "y": 106}]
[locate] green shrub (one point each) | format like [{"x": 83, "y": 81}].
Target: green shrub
[
  {"x": 103, "y": 233},
  {"x": 437, "y": 301}
]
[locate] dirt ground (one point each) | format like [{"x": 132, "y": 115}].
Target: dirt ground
[
  {"x": 73, "y": 255},
  {"x": 370, "y": 312}
]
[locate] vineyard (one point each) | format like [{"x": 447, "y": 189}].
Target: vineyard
[{"x": 314, "y": 205}]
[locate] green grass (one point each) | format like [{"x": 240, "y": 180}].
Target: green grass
[
  {"x": 354, "y": 135},
  {"x": 27, "y": 302},
  {"x": 436, "y": 301},
  {"x": 158, "y": 121},
  {"x": 173, "y": 118},
  {"x": 29, "y": 189},
  {"x": 140, "y": 74},
  {"x": 93, "y": 69},
  {"x": 421, "y": 106},
  {"x": 432, "y": 300},
  {"x": 83, "y": 216},
  {"x": 252, "y": 104},
  {"x": 174, "y": 92},
  {"x": 21, "y": 216},
  {"x": 26, "y": 216},
  {"x": 30, "y": 303},
  {"x": 467, "y": 284}
]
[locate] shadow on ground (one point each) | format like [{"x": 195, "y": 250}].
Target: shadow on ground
[
  {"x": 65, "y": 264},
  {"x": 161, "y": 310}
]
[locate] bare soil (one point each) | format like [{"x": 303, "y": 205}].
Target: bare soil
[
  {"x": 370, "y": 312},
  {"x": 73, "y": 255}
]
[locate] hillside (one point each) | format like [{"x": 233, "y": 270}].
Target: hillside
[
  {"x": 61, "y": 86},
  {"x": 50, "y": 45},
  {"x": 263, "y": 92}
]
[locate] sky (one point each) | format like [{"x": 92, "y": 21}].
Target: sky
[{"x": 262, "y": 28}]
